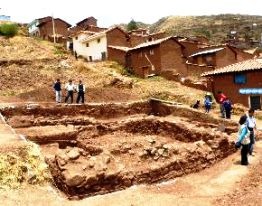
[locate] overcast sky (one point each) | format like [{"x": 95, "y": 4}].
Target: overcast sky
[{"x": 109, "y": 12}]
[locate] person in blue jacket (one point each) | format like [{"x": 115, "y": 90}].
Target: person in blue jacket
[
  {"x": 243, "y": 140},
  {"x": 207, "y": 103}
]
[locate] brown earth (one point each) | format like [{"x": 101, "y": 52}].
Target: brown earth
[{"x": 96, "y": 149}]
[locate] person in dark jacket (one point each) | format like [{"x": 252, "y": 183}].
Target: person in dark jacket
[
  {"x": 58, "y": 93},
  {"x": 80, "y": 88},
  {"x": 228, "y": 108}
]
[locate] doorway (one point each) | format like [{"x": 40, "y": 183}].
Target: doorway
[{"x": 255, "y": 102}]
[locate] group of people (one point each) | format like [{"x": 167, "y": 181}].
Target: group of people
[
  {"x": 70, "y": 89},
  {"x": 224, "y": 102},
  {"x": 246, "y": 135}
]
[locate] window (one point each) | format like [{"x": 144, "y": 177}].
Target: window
[
  {"x": 76, "y": 38},
  {"x": 98, "y": 40},
  {"x": 209, "y": 61},
  {"x": 87, "y": 44},
  {"x": 151, "y": 52},
  {"x": 240, "y": 79}
]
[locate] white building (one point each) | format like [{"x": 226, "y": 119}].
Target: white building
[{"x": 93, "y": 45}]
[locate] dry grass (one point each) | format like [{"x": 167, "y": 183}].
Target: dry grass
[{"x": 24, "y": 166}]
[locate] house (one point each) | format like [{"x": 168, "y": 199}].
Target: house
[
  {"x": 93, "y": 45},
  {"x": 47, "y": 27},
  {"x": 212, "y": 57},
  {"x": 90, "y": 21},
  {"x": 241, "y": 82},
  {"x": 154, "y": 57}
]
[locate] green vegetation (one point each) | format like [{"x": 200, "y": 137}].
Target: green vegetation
[
  {"x": 8, "y": 30},
  {"x": 132, "y": 25}
]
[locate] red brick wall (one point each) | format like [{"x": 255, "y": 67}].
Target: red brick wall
[
  {"x": 116, "y": 55},
  {"x": 138, "y": 61},
  {"x": 226, "y": 84},
  {"x": 47, "y": 29},
  {"x": 225, "y": 57},
  {"x": 87, "y": 22},
  {"x": 171, "y": 57},
  {"x": 190, "y": 48},
  {"x": 135, "y": 40},
  {"x": 116, "y": 37}
]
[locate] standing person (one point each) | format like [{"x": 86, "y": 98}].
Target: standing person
[
  {"x": 243, "y": 140},
  {"x": 75, "y": 53},
  {"x": 251, "y": 125},
  {"x": 228, "y": 108},
  {"x": 80, "y": 88},
  {"x": 207, "y": 103},
  {"x": 221, "y": 97},
  {"x": 58, "y": 93},
  {"x": 70, "y": 91}
]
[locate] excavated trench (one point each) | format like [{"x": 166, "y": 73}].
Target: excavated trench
[{"x": 96, "y": 149}]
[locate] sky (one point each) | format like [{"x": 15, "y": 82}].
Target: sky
[{"x": 110, "y": 12}]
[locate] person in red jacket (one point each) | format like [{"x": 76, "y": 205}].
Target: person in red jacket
[{"x": 221, "y": 97}]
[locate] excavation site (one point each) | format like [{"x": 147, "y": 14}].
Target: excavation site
[{"x": 100, "y": 148}]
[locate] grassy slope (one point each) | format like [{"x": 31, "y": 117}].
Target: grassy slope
[{"x": 215, "y": 26}]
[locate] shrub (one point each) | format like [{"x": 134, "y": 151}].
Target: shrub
[{"x": 8, "y": 30}]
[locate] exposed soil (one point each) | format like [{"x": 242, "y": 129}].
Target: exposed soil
[{"x": 96, "y": 149}]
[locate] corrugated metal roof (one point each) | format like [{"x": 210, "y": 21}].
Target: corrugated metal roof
[
  {"x": 151, "y": 43},
  {"x": 209, "y": 51},
  {"x": 248, "y": 65},
  {"x": 121, "y": 48}
]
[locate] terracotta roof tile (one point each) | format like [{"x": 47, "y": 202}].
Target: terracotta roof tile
[{"x": 248, "y": 65}]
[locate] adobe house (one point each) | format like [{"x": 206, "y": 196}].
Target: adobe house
[
  {"x": 90, "y": 21},
  {"x": 43, "y": 28},
  {"x": 241, "y": 82},
  {"x": 94, "y": 45},
  {"x": 155, "y": 57}
]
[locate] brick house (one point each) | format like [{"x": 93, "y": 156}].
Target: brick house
[
  {"x": 93, "y": 45},
  {"x": 212, "y": 57},
  {"x": 155, "y": 57},
  {"x": 90, "y": 21},
  {"x": 43, "y": 28},
  {"x": 241, "y": 82}
]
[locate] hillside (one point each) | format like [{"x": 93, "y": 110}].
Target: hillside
[
  {"x": 33, "y": 65},
  {"x": 215, "y": 27}
]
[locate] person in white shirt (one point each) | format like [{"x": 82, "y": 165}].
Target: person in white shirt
[
  {"x": 80, "y": 88},
  {"x": 70, "y": 87},
  {"x": 251, "y": 125}
]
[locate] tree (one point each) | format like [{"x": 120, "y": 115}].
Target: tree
[{"x": 132, "y": 25}]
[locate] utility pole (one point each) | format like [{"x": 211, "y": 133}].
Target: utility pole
[{"x": 53, "y": 23}]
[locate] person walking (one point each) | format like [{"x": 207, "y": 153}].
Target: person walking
[
  {"x": 80, "y": 88},
  {"x": 221, "y": 97},
  {"x": 207, "y": 103},
  {"x": 70, "y": 91},
  {"x": 228, "y": 108},
  {"x": 251, "y": 125},
  {"x": 243, "y": 140},
  {"x": 58, "y": 92}
]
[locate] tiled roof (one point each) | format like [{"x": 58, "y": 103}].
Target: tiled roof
[
  {"x": 209, "y": 51},
  {"x": 248, "y": 65}
]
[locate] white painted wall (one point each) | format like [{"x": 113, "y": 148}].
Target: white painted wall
[
  {"x": 32, "y": 28},
  {"x": 94, "y": 49}
]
